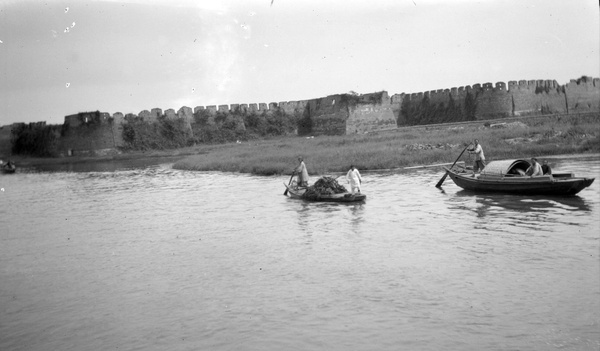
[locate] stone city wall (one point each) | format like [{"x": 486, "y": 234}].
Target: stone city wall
[
  {"x": 328, "y": 115},
  {"x": 90, "y": 133},
  {"x": 374, "y": 112},
  {"x": 525, "y": 97}
]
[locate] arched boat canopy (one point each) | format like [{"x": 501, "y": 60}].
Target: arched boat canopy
[{"x": 517, "y": 167}]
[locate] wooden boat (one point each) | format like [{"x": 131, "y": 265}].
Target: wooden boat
[
  {"x": 297, "y": 192},
  {"x": 8, "y": 168},
  {"x": 508, "y": 176}
]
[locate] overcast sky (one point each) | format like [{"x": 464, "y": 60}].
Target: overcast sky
[{"x": 63, "y": 57}]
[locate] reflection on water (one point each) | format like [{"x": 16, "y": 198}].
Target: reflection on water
[
  {"x": 101, "y": 166},
  {"x": 310, "y": 214},
  {"x": 521, "y": 203},
  {"x": 154, "y": 258}
]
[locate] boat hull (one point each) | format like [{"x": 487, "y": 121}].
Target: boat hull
[
  {"x": 343, "y": 197},
  {"x": 8, "y": 170},
  {"x": 543, "y": 185}
]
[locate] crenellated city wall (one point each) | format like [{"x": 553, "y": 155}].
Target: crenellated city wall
[
  {"x": 97, "y": 133},
  {"x": 522, "y": 98}
]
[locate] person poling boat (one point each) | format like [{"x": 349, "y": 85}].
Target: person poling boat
[
  {"x": 479, "y": 163},
  {"x": 302, "y": 172},
  {"x": 301, "y": 179}
]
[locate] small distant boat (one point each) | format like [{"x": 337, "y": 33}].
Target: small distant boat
[
  {"x": 300, "y": 193},
  {"x": 508, "y": 176},
  {"x": 8, "y": 168}
]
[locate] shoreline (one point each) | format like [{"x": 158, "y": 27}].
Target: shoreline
[{"x": 397, "y": 150}]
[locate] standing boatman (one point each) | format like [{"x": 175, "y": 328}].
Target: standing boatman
[
  {"x": 354, "y": 178},
  {"x": 302, "y": 173},
  {"x": 479, "y": 163}
]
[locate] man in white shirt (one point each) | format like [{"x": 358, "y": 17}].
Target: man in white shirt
[
  {"x": 479, "y": 163},
  {"x": 353, "y": 177},
  {"x": 535, "y": 169}
]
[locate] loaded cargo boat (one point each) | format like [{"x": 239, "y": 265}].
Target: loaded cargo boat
[
  {"x": 508, "y": 176},
  {"x": 325, "y": 189}
]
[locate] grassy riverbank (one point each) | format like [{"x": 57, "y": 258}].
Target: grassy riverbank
[
  {"x": 509, "y": 138},
  {"x": 398, "y": 148}
]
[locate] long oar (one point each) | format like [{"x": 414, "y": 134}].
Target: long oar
[
  {"x": 290, "y": 182},
  {"x": 439, "y": 184}
]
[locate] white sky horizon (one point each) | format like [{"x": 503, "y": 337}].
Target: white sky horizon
[{"x": 58, "y": 58}]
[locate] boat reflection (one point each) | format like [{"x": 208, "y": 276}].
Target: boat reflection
[
  {"x": 332, "y": 213},
  {"x": 526, "y": 203}
]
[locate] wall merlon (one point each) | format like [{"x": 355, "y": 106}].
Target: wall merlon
[
  {"x": 212, "y": 109},
  {"x": 198, "y": 109},
  {"x": 145, "y": 116},
  {"x": 262, "y": 106},
  {"x": 185, "y": 113},
  {"x": 156, "y": 112},
  {"x": 170, "y": 114},
  {"x": 398, "y": 98},
  {"x": 118, "y": 117},
  {"x": 130, "y": 117},
  {"x": 223, "y": 108}
]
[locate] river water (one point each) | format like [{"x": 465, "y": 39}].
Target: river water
[{"x": 118, "y": 257}]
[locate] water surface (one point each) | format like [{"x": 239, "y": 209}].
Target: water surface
[{"x": 145, "y": 257}]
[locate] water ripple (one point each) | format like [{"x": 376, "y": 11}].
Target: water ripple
[{"x": 154, "y": 258}]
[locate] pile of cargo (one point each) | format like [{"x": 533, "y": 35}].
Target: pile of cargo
[{"x": 324, "y": 186}]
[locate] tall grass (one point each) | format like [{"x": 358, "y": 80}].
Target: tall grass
[{"x": 404, "y": 147}]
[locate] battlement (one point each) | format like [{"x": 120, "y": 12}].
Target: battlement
[
  {"x": 85, "y": 118},
  {"x": 538, "y": 85},
  {"x": 522, "y": 97},
  {"x": 584, "y": 82}
]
